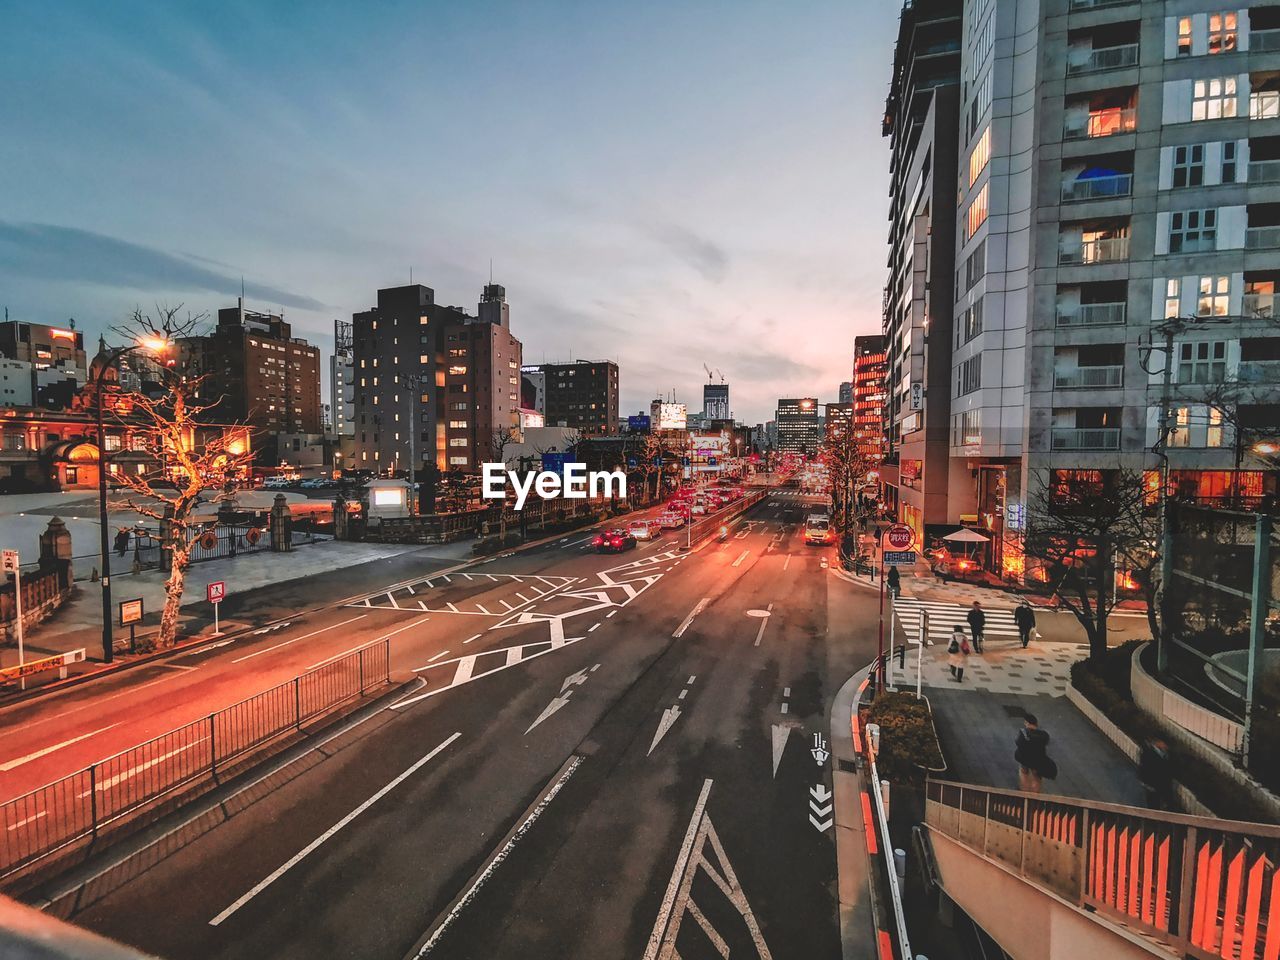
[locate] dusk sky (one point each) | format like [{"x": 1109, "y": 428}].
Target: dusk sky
[{"x": 663, "y": 183}]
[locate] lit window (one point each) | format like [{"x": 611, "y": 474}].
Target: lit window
[
  {"x": 977, "y": 212},
  {"x": 457, "y": 370},
  {"x": 1184, "y": 36},
  {"x": 1180, "y": 435},
  {"x": 1213, "y": 99},
  {"x": 1222, "y": 32},
  {"x": 1172, "y": 298},
  {"x": 458, "y": 442},
  {"x": 1215, "y": 296},
  {"x": 458, "y": 424},
  {"x": 1213, "y": 436},
  {"x": 458, "y": 461}
]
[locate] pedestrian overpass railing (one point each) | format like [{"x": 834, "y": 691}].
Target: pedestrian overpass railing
[{"x": 1206, "y": 888}]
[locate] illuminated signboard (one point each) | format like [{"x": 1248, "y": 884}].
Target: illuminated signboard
[
  {"x": 388, "y": 497},
  {"x": 671, "y": 416},
  {"x": 62, "y": 334}
]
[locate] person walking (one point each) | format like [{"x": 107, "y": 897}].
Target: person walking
[
  {"x": 1025, "y": 618},
  {"x": 1031, "y": 753},
  {"x": 958, "y": 653},
  {"x": 894, "y": 582},
  {"x": 977, "y": 622}
]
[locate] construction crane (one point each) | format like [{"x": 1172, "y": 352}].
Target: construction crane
[
  {"x": 710, "y": 377},
  {"x": 719, "y": 374}
]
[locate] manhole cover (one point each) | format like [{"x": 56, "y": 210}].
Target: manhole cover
[{"x": 1013, "y": 710}]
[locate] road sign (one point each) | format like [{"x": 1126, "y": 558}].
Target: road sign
[
  {"x": 900, "y": 537},
  {"x": 10, "y": 561},
  {"x": 899, "y": 558},
  {"x": 130, "y": 612},
  {"x": 216, "y": 592}
]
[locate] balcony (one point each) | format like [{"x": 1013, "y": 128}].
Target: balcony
[
  {"x": 1101, "y": 123},
  {"x": 1264, "y": 171},
  {"x": 1264, "y": 105},
  {"x": 1261, "y": 305},
  {"x": 1092, "y": 315},
  {"x": 1106, "y": 58},
  {"x": 1105, "y": 250},
  {"x": 1263, "y": 41},
  {"x": 1086, "y": 438},
  {"x": 1098, "y": 188},
  {"x": 1262, "y": 238},
  {"x": 1096, "y": 4},
  {"x": 1259, "y": 371},
  {"x": 1088, "y": 377}
]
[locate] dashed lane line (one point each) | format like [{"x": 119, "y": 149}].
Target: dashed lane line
[{"x": 305, "y": 636}]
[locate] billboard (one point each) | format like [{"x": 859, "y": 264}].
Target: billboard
[
  {"x": 671, "y": 416},
  {"x": 638, "y": 424}
]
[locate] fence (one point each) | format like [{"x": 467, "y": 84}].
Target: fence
[
  {"x": 143, "y": 781},
  {"x": 1208, "y": 888}
]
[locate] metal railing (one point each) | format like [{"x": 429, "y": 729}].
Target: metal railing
[
  {"x": 1259, "y": 305},
  {"x": 1258, "y": 238},
  {"x": 1098, "y": 188},
  {"x": 1264, "y": 171},
  {"x": 1092, "y": 315},
  {"x": 1095, "y": 4},
  {"x": 178, "y": 765},
  {"x": 1261, "y": 41},
  {"x": 1258, "y": 371},
  {"x": 1086, "y": 438},
  {"x": 1264, "y": 105},
  {"x": 1102, "y": 123},
  {"x": 1208, "y": 888},
  {"x": 1110, "y": 376},
  {"x": 1104, "y": 250},
  {"x": 1106, "y": 58}
]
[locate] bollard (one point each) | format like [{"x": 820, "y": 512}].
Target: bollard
[{"x": 900, "y": 862}]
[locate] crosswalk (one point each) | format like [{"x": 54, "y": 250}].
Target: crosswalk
[{"x": 943, "y": 616}]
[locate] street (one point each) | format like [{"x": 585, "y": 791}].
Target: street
[{"x": 605, "y": 755}]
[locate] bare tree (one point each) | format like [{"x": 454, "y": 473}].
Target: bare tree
[
  {"x": 499, "y": 440},
  {"x": 1081, "y": 533},
  {"x": 847, "y": 466},
  {"x": 186, "y": 455}
]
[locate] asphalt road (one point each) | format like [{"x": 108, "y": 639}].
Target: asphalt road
[{"x": 620, "y": 765}]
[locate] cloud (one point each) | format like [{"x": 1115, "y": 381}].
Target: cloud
[
  {"x": 705, "y": 256},
  {"x": 66, "y": 254},
  {"x": 767, "y": 367}
]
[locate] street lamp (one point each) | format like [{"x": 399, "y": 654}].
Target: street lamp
[{"x": 155, "y": 345}]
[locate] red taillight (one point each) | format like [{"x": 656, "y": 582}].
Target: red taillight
[
  {"x": 597, "y": 541},
  {"x": 617, "y": 541}
]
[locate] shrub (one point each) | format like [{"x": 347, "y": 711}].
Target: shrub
[{"x": 908, "y": 744}]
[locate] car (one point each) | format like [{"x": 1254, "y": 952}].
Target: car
[
  {"x": 817, "y": 529},
  {"x": 680, "y": 507},
  {"x": 671, "y": 520},
  {"x": 645, "y": 529},
  {"x": 613, "y": 541},
  {"x": 698, "y": 506},
  {"x": 313, "y": 483},
  {"x": 276, "y": 483}
]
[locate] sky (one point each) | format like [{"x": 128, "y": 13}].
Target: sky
[{"x": 665, "y": 184}]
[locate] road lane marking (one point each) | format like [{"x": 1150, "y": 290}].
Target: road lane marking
[
  {"x": 742, "y": 556},
  {"x": 683, "y": 693},
  {"x": 315, "y": 844},
  {"x": 787, "y": 562},
  {"x": 305, "y": 636},
  {"x": 698, "y": 608},
  {"x": 392, "y": 598},
  {"x": 764, "y": 622},
  {"x": 140, "y": 768},
  {"x": 610, "y": 613},
  {"x": 476, "y": 637},
  {"x": 442, "y": 653},
  {"x": 11, "y": 764},
  {"x": 179, "y": 666},
  {"x": 531, "y": 817},
  {"x": 691, "y": 679},
  {"x": 31, "y": 819},
  {"x": 669, "y": 898},
  {"x": 593, "y": 628}
]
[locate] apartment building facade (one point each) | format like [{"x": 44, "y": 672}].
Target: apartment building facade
[
  {"x": 1117, "y": 208},
  {"x": 433, "y": 385},
  {"x": 581, "y": 395}
]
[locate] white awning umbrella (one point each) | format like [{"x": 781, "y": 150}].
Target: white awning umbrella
[{"x": 965, "y": 535}]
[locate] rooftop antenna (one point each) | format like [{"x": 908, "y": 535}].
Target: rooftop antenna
[
  {"x": 491, "y": 271},
  {"x": 411, "y": 276}
]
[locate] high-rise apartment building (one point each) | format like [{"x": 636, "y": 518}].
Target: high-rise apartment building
[
  {"x": 257, "y": 372},
  {"x": 342, "y": 381},
  {"x": 433, "y": 384},
  {"x": 797, "y": 425},
  {"x": 1117, "y": 181},
  {"x": 870, "y": 372},
  {"x": 921, "y": 122},
  {"x": 582, "y": 395}
]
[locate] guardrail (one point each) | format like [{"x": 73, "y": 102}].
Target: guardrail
[
  {"x": 699, "y": 530},
  {"x": 1207, "y": 888},
  {"x": 176, "y": 766}
]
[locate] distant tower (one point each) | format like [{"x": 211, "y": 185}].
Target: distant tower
[{"x": 493, "y": 306}]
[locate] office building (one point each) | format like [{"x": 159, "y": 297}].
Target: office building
[
  {"x": 256, "y": 372},
  {"x": 921, "y": 122},
  {"x": 870, "y": 370},
  {"x": 582, "y": 394},
  {"x": 846, "y": 391},
  {"x": 715, "y": 402},
  {"x": 433, "y": 385},
  {"x": 798, "y": 430}
]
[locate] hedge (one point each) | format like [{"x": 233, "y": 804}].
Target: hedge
[{"x": 908, "y": 744}]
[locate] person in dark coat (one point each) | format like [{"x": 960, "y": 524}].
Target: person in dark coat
[
  {"x": 977, "y": 621},
  {"x": 894, "y": 582},
  {"x": 122, "y": 541},
  {"x": 1154, "y": 774},
  {"x": 1031, "y": 753},
  {"x": 1025, "y": 618}
]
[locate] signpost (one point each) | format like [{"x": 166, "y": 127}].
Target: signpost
[
  {"x": 896, "y": 543},
  {"x": 131, "y": 614},
  {"x": 215, "y": 593},
  {"x": 13, "y": 565}
]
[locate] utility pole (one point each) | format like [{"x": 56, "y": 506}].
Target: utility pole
[{"x": 412, "y": 381}]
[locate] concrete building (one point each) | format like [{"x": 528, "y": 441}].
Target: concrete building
[
  {"x": 1119, "y": 169},
  {"x": 798, "y": 430},
  {"x": 257, "y": 372},
  {"x": 870, "y": 372},
  {"x": 533, "y": 389},
  {"x": 921, "y": 122},
  {"x": 16, "y": 383},
  {"x": 845, "y": 392},
  {"x": 582, "y": 394},
  {"x": 342, "y": 381},
  {"x": 434, "y": 378},
  {"x": 55, "y": 356},
  {"x": 715, "y": 401}
]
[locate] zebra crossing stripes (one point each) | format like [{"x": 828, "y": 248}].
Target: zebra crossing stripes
[{"x": 943, "y": 616}]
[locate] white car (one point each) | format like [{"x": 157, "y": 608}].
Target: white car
[
  {"x": 645, "y": 529},
  {"x": 699, "y": 506}
]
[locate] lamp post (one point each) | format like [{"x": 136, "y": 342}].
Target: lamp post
[{"x": 111, "y": 359}]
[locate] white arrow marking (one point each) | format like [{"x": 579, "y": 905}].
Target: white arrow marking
[
  {"x": 820, "y": 793},
  {"x": 780, "y": 735},
  {"x": 669, "y": 717},
  {"x": 551, "y": 708},
  {"x": 575, "y": 679},
  {"x": 822, "y": 826},
  {"x": 820, "y": 811}
]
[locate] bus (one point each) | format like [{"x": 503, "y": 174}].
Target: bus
[{"x": 817, "y": 528}]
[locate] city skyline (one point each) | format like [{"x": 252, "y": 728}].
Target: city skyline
[{"x": 611, "y": 196}]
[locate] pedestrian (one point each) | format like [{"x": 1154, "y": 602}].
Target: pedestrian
[
  {"x": 1031, "y": 753},
  {"x": 957, "y": 653},
  {"x": 1025, "y": 618},
  {"x": 122, "y": 541},
  {"x": 977, "y": 621},
  {"x": 1154, "y": 775},
  {"x": 894, "y": 581}
]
